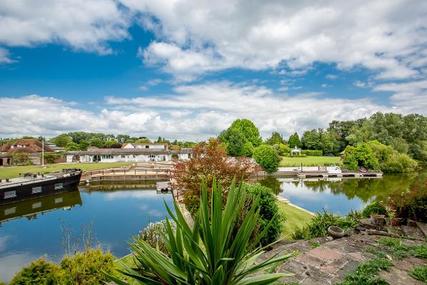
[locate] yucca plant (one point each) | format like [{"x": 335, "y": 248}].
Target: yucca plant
[{"x": 211, "y": 251}]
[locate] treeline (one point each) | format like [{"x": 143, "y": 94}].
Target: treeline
[
  {"x": 83, "y": 140},
  {"x": 405, "y": 134},
  {"x": 387, "y": 142}
]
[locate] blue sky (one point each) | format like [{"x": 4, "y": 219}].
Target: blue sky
[{"x": 187, "y": 69}]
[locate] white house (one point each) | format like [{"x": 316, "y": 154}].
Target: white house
[
  {"x": 152, "y": 146},
  {"x": 127, "y": 154}
]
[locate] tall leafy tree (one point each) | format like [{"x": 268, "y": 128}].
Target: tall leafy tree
[
  {"x": 241, "y": 137},
  {"x": 275, "y": 138},
  {"x": 294, "y": 141}
]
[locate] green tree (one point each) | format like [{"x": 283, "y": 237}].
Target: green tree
[
  {"x": 241, "y": 137},
  {"x": 294, "y": 141},
  {"x": 312, "y": 140},
  {"x": 282, "y": 149},
  {"x": 235, "y": 142},
  {"x": 267, "y": 157},
  {"x": 275, "y": 138},
  {"x": 359, "y": 156},
  {"x": 249, "y": 130},
  {"x": 62, "y": 140},
  {"x": 72, "y": 146}
]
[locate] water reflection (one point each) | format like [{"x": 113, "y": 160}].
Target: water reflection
[
  {"x": 32, "y": 208},
  {"x": 343, "y": 195},
  {"x": 34, "y": 228}
]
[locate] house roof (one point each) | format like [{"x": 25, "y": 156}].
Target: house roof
[
  {"x": 124, "y": 151},
  {"x": 26, "y": 145}
]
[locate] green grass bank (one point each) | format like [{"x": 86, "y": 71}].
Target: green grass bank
[{"x": 310, "y": 161}]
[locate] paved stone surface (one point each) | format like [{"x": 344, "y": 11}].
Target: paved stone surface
[
  {"x": 327, "y": 261},
  {"x": 398, "y": 274}
]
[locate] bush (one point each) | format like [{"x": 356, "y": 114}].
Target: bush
[
  {"x": 282, "y": 149},
  {"x": 312, "y": 152},
  {"x": 318, "y": 226},
  {"x": 87, "y": 267},
  {"x": 21, "y": 158},
  {"x": 154, "y": 235},
  {"x": 267, "y": 157},
  {"x": 269, "y": 212},
  {"x": 374, "y": 208},
  {"x": 51, "y": 157},
  {"x": 39, "y": 271}
]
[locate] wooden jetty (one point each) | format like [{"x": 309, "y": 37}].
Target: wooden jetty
[{"x": 322, "y": 172}]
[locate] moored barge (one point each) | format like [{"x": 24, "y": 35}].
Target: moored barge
[{"x": 36, "y": 185}]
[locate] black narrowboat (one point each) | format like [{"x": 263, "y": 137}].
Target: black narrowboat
[{"x": 35, "y": 185}]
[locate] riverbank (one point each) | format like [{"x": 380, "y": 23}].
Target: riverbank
[
  {"x": 295, "y": 217},
  {"x": 14, "y": 171}
]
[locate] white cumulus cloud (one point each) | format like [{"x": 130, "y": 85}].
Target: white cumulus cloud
[
  {"x": 82, "y": 25},
  {"x": 190, "y": 111},
  {"x": 388, "y": 37}
]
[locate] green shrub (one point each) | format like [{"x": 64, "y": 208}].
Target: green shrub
[
  {"x": 87, "y": 267},
  {"x": 154, "y": 235},
  {"x": 282, "y": 149},
  {"x": 269, "y": 212},
  {"x": 41, "y": 272},
  {"x": 318, "y": 226},
  {"x": 312, "y": 152},
  {"x": 419, "y": 273},
  {"x": 51, "y": 157},
  {"x": 374, "y": 208},
  {"x": 267, "y": 157}
]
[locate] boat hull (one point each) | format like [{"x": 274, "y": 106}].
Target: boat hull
[{"x": 41, "y": 188}]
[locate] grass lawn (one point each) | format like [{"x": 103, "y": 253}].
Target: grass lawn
[
  {"x": 13, "y": 171},
  {"x": 295, "y": 218},
  {"x": 310, "y": 160}
]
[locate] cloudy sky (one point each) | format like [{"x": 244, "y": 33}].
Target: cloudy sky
[{"x": 187, "y": 69}]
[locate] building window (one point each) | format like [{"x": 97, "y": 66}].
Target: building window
[
  {"x": 36, "y": 190},
  {"x": 9, "y": 194},
  {"x": 59, "y": 186},
  {"x": 58, "y": 200},
  {"x": 147, "y": 146},
  {"x": 123, "y": 156},
  {"x": 36, "y": 205}
]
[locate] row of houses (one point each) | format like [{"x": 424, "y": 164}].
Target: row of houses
[{"x": 127, "y": 153}]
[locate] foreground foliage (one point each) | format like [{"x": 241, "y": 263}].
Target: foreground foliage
[
  {"x": 213, "y": 251},
  {"x": 154, "y": 235},
  {"x": 318, "y": 226},
  {"x": 420, "y": 273},
  {"x": 270, "y": 219},
  {"x": 83, "y": 268},
  {"x": 39, "y": 271},
  {"x": 367, "y": 272}
]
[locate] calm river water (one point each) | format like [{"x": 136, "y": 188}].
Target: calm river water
[{"x": 111, "y": 218}]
